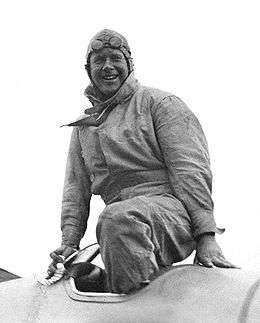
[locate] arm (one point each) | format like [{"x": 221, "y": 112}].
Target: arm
[
  {"x": 75, "y": 203},
  {"x": 184, "y": 148},
  {"x": 186, "y": 156},
  {"x": 76, "y": 195}
]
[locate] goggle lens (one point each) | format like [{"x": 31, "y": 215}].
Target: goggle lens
[
  {"x": 96, "y": 44},
  {"x": 114, "y": 42}
]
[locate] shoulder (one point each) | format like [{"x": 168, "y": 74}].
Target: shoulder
[
  {"x": 163, "y": 102},
  {"x": 152, "y": 95}
]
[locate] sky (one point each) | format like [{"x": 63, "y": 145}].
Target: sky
[{"x": 205, "y": 52}]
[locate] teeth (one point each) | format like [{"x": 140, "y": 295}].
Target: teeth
[{"x": 111, "y": 77}]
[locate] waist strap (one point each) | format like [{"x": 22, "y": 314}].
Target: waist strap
[{"x": 130, "y": 184}]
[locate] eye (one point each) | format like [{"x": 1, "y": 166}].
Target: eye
[
  {"x": 116, "y": 58},
  {"x": 97, "y": 59}
]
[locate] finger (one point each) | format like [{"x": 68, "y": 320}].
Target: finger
[
  {"x": 56, "y": 257},
  {"x": 52, "y": 266},
  {"x": 231, "y": 265},
  {"x": 51, "y": 269},
  {"x": 221, "y": 256},
  {"x": 49, "y": 274},
  {"x": 222, "y": 262},
  {"x": 206, "y": 262}
]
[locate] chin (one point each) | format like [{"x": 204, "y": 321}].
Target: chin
[{"x": 111, "y": 92}]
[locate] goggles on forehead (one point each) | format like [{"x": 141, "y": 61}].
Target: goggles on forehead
[{"x": 114, "y": 42}]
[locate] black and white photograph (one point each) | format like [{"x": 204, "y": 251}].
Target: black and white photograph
[{"x": 130, "y": 164}]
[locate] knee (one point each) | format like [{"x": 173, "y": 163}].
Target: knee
[
  {"x": 112, "y": 221},
  {"x": 113, "y": 214},
  {"x": 120, "y": 220}
]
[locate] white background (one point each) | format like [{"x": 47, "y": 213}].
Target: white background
[{"x": 206, "y": 52}]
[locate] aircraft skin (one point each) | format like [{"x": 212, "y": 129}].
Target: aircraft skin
[
  {"x": 184, "y": 294},
  {"x": 6, "y": 275}
]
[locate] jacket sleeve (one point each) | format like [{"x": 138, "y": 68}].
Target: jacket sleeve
[
  {"x": 76, "y": 195},
  {"x": 185, "y": 152}
]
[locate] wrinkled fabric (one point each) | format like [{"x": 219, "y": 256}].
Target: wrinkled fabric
[
  {"x": 141, "y": 235},
  {"x": 150, "y": 138},
  {"x": 146, "y": 143}
]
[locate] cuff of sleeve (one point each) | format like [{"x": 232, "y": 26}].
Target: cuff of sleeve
[
  {"x": 70, "y": 237},
  {"x": 204, "y": 222}
]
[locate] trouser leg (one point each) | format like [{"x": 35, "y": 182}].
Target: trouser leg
[{"x": 138, "y": 235}]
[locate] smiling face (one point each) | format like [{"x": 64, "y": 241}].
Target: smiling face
[{"x": 108, "y": 70}]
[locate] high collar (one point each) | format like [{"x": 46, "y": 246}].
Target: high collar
[
  {"x": 100, "y": 110},
  {"x": 128, "y": 87}
]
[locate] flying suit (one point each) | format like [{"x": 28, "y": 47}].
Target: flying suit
[{"x": 144, "y": 152}]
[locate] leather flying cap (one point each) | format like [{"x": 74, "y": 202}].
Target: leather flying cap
[{"x": 112, "y": 39}]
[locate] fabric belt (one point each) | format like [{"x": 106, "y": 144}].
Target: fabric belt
[{"x": 130, "y": 184}]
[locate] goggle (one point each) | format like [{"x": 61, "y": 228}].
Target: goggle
[{"x": 114, "y": 42}]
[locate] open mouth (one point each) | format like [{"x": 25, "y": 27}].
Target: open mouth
[{"x": 109, "y": 77}]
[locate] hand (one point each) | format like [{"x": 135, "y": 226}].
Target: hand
[
  {"x": 209, "y": 254},
  {"x": 64, "y": 251}
]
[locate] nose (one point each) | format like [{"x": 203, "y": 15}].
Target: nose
[{"x": 107, "y": 65}]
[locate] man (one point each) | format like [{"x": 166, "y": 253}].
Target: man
[{"x": 144, "y": 152}]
